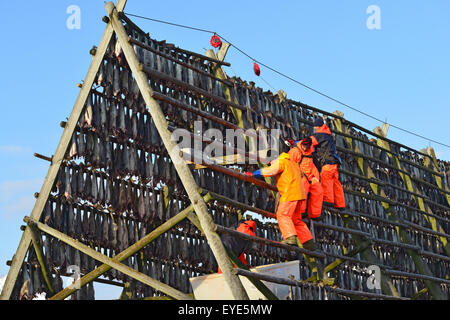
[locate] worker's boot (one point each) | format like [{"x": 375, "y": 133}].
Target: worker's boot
[
  {"x": 317, "y": 264},
  {"x": 310, "y": 245},
  {"x": 291, "y": 241}
]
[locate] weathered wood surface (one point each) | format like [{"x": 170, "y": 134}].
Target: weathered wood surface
[{"x": 116, "y": 182}]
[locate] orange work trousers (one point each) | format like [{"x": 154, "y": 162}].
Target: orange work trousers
[
  {"x": 289, "y": 216},
  {"x": 332, "y": 188},
  {"x": 314, "y": 193}
]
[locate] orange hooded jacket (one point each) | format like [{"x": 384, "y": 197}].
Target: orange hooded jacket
[
  {"x": 305, "y": 158},
  {"x": 288, "y": 177}
]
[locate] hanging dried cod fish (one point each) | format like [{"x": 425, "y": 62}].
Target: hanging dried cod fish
[
  {"x": 101, "y": 74},
  {"x": 88, "y": 112},
  {"x": 135, "y": 89},
  {"x": 67, "y": 185},
  {"x": 118, "y": 52},
  {"x": 141, "y": 204},
  {"x": 121, "y": 118},
  {"x": 113, "y": 229},
  {"x": 125, "y": 81},
  {"x": 73, "y": 147},
  {"x": 48, "y": 213},
  {"x": 121, "y": 206},
  {"x": 78, "y": 222},
  {"x": 85, "y": 225},
  {"x": 117, "y": 80},
  {"x": 71, "y": 221}
]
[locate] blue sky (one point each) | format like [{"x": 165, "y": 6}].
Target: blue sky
[{"x": 399, "y": 73}]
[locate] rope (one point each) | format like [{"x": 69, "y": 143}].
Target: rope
[{"x": 290, "y": 78}]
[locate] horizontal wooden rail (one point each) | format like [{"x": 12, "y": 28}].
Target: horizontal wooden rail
[
  {"x": 272, "y": 243},
  {"x": 269, "y": 278}
]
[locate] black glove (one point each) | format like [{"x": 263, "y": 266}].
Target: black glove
[{"x": 319, "y": 218}]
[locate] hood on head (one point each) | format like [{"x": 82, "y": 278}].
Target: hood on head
[{"x": 323, "y": 129}]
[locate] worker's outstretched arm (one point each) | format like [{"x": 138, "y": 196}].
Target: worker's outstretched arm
[{"x": 275, "y": 167}]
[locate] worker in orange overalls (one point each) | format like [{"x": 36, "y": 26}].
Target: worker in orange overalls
[
  {"x": 327, "y": 160},
  {"x": 289, "y": 215},
  {"x": 302, "y": 153},
  {"x": 237, "y": 245}
]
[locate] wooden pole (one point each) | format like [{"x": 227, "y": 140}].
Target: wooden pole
[
  {"x": 125, "y": 254},
  {"x": 41, "y": 259},
  {"x": 58, "y": 157},
  {"x": 182, "y": 169},
  {"x": 106, "y": 260}
]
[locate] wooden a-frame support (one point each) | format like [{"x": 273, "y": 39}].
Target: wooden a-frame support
[
  {"x": 202, "y": 219},
  {"x": 198, "y": 203},
  {"x": 185, "y": 175},
  {"x": 126, "y": 253},
  {"x": 109, "y": 261},
  {"x": 58, "y": 157}
]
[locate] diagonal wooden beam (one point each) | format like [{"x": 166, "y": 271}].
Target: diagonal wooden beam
[
  {"x": 35, "y": 238},
  {"x": 434, "y": 288},
  {"x": 432, "y": 162},
  {"x": 411, "y": 186},
  {"x": 125, "y": 254},
  {"x": 25, "y": 241},
  {"x": 181, "y": 167},
  {"x": 257, "y": 283},
  {"x": 385, "y": 282},
  {"x": 106, "y": 260},
  {"x": 336, "y": 263}
]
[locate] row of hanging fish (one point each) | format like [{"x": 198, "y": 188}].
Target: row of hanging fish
[
  {"x": 365, "y": 149},
  {"x": 359, "y": 142},
  {"x": 137, "y": 200},
  {"x": 435, "y": 198},
  {"x": 112, "y": 120},
  {"x": 116, "y": 133},
  {"x": 235, "y": 189}
]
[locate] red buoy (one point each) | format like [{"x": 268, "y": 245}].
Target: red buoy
[
  {"x": 215, "y": 41},
  {"x": 256, "y": 69}
]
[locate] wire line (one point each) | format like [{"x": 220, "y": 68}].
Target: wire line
[{"x": 290, "y": 78}]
